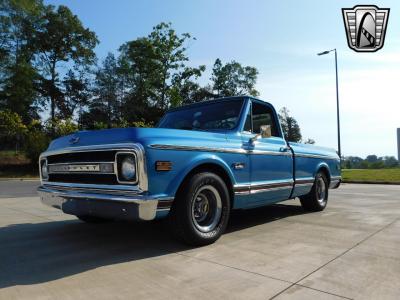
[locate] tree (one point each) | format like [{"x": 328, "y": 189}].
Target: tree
[
  {"x": 170, "y": 53},
  {"x": 139, "y": 68},
  {"x": 106, "y": 105},
  {"x": 156, "y": 73},
  {"x": 18, "y": 23},
  {"x": 290, "y": 127},
  {"x": 61, "y": 127},
  {"x": 76, "y": 94},
  {"x": 185, "y": 89},
  {"x": 390, "y": 161},
  {"x": 372, "y": 158},
  {"x": 232, "y": 79},
  {"x": 61, "y": 39}
]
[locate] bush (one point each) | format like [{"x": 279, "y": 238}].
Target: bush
[
  {"x": 12, "y": 130},
  {"x": 36, "y": 142}
]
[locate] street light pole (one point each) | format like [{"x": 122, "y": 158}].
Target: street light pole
[
  {"x": 337, "y": 108},
  {"x": 337, "y": 100}
]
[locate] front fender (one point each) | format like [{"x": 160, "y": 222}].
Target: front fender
[
  {"x": 204, "y": 158},
  {"x": 322, "y": 165}
]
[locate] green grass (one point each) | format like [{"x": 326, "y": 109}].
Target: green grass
[{"x": 372, "y": 175}]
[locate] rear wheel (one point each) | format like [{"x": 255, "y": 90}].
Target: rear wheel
[
  {"x": 317, "y": 199},
  {"x": 201, "y": 210}
]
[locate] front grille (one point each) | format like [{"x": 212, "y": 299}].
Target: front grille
[
  {"x": 94, "y": 156},
  {"x": 84, "y": 178},
  {"x": 92, "y": 167}
]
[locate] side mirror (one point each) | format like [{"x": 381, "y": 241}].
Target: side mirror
[{"x": 265, "y": 132}]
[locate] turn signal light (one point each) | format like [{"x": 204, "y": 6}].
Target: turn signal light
[{"x": 163, "y": 166}]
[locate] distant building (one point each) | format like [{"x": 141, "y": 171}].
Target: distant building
[{"x": 398, "y": 143}]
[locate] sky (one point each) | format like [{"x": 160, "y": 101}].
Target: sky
[{"x": 281, "y": 39}]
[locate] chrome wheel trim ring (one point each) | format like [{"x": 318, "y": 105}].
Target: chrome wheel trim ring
[
  {"x": 321, "y": 190},
  {"x": 206, "y": 208}
]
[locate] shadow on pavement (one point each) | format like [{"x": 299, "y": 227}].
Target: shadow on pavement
[{"x": 42, "y": 252}]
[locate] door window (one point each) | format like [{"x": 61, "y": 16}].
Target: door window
[{"x": 260, "y": 114}]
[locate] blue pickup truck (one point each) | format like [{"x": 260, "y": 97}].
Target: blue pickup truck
[{"x": 202, "y": 161}]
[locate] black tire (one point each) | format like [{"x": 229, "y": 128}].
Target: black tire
[
  {"x": 201, "y": 209},
  {"x": 317, "y": 198},
  {"x": 92, "y": 219}
]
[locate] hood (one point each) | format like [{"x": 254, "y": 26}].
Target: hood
[{"x": 145, "y": 136}]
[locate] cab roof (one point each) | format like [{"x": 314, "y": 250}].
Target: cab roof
[{"x": 201, "y": 103}]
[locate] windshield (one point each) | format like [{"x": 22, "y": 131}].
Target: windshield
[{"x": 218, "y": 115}]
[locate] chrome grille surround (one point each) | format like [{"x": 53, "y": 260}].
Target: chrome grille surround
[{"x": 140, "y": 184}]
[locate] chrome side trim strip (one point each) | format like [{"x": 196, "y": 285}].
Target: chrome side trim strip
[
  {"x": 272, "y": 186},
  {"x": 197, "y": 148},
  {"x": 304, "y": 185},
  {"x": 262, "y": 152},
  {"x": 236, "y": 150},
  {"x": 315, "y": 156},
  {"x": 246, "y": 189},
  {"x": 219, "y": 150},
  {"x": 270, "y": 189},
  {"x": 305, "y": 180}
]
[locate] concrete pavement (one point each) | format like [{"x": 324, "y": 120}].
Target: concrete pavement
[{"x": 351, "y": 250}]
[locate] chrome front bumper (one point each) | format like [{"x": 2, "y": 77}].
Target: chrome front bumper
[{"x": 111, "y": 206}]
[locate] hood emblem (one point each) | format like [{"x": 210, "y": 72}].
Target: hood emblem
[{"x": 74, "y": 140}]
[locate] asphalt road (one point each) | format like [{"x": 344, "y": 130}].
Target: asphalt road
[{"x": 351, "y": 250}]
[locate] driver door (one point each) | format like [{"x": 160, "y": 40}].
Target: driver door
[{"x": 271, "y": 164}]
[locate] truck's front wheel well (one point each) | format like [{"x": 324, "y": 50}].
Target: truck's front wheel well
[
  {"x": 326, "y": 173},
  {"x": 212, "y": 168}
]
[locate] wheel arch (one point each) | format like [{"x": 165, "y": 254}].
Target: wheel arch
[
  {"x": 209, "y": 165},
  {"x": 324, "y": 168}
]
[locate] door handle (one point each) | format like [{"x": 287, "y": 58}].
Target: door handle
[{"x": 284, "y": 149}]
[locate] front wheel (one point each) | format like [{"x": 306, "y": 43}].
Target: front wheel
[
  {"x": 201, "y": 210},
  {"x": 317, "y": 198}
]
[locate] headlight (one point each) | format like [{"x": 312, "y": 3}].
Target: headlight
[
  {"x": 128, "y": 168},
  {"x": 44, "y": 172},
  {"x": 126, "y": 162}
]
